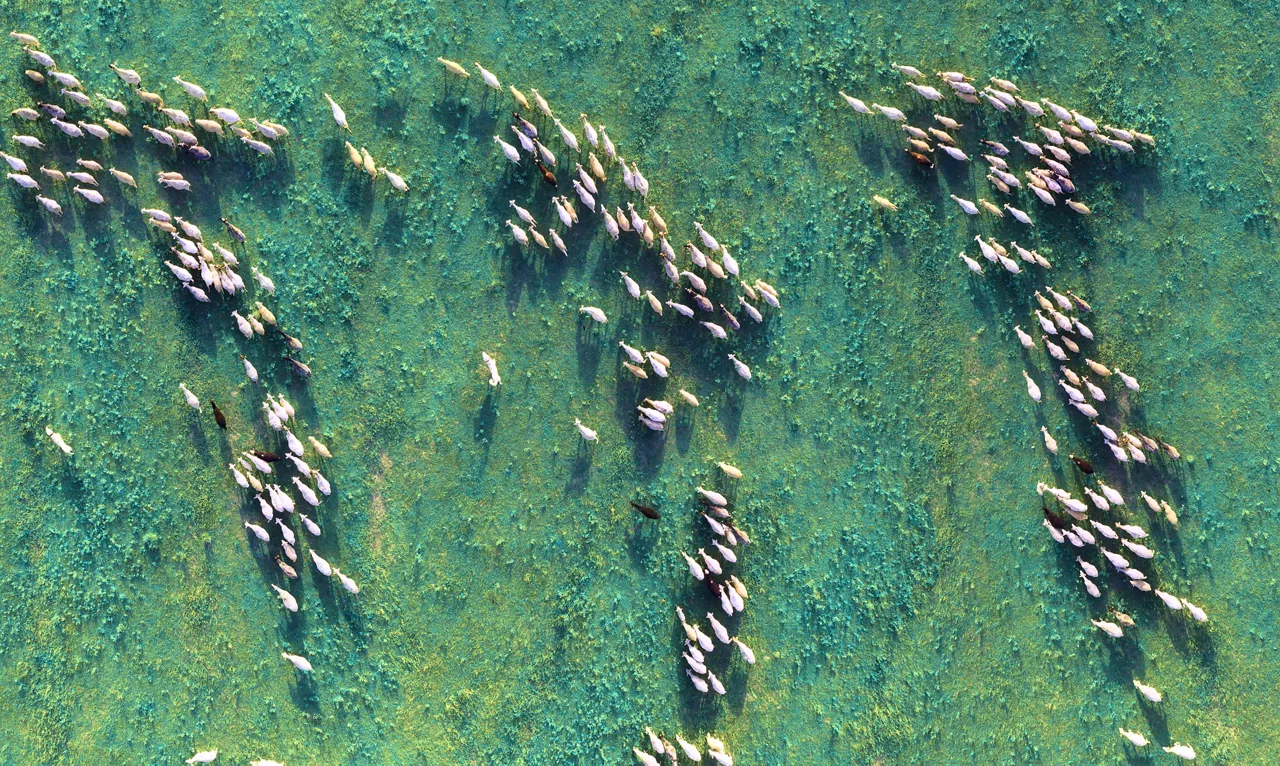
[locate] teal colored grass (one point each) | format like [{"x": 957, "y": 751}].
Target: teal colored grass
[{"x": 905, "y": 602}]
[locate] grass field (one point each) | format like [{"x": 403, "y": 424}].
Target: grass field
[{"x": 905, "y": 602}]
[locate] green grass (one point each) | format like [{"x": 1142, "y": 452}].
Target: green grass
[{"x": 905, "y": 603}]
